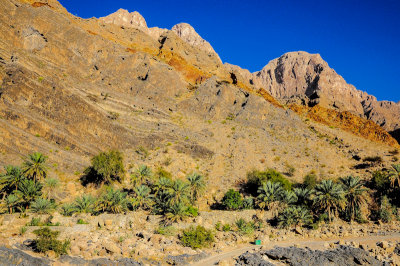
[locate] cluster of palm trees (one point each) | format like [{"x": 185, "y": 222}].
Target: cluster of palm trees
[
  {"x": 155, "y": 192},
  {"x": 300, "y": 205},
  {"x": 21, "y": 187},
  {"x": 172, "y": 198}
]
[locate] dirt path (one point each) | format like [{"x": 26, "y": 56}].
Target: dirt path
[{"x": 313, "y": 244}]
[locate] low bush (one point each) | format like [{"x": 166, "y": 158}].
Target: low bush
[
  {"x": 386, "y": 210},
  {"x": 47, "y": 240},
  {"x": 226, "y": 227},
  {"x": 245, "y": 228},
  {"x": 198, "y": 237},
  {"x": 106, "y": 168},
  {"x": 373, "y": 159},
  {"x": 192, "y": 211},
  {"x": 256, "y": 178},
  {"x": 166, "y": 230},
  {"x": 232, "y": 200},
  {"x": 81, "y": 221},
  {"x": 310, "y": 181}
]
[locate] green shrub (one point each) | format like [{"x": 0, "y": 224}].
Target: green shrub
[
  {"x": 380, "y": 182},
  {"x": 198, "y": 237},
  {"x": 37, "y": 222},
  {"x": 256, "y": 178},
  {"x": 245, "y": 228},
  {"x": 34, "y": 222},
  {"x": 310, "y": 181},
  {"x": 226, "y": 227},
  {"x": 192, "y": 211},
  {"x": 81, "y": 221},
  {"x": 385, "y": 210},
  {"x": 47, "y": 240},
  {"x": 22, "y": 230},
  {"x": 218, "y": 226},
  {"x": 106, "y": 168},
  {"x": 162, "y": 173},
  {"x": 166, "y": 230},
  {"x": 232, "y": 200},
  {"x": 290, "y": 170}
]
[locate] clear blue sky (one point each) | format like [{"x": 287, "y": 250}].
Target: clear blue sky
[{"x": 359, "y": 39}]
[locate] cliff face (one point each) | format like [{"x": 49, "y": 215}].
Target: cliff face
[
  {"x": 306, "y": 78},
  {"x": 72, "y": 87}
]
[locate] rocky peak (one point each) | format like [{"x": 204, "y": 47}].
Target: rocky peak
[
  {"x": 188, "y": 34},
  {"x": 122, "y": 17}
]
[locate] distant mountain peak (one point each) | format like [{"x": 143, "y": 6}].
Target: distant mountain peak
[
  {"x": 122, "y": 17},
  {"x": 187, "y": 33}
]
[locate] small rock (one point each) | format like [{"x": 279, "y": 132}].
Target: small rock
[
  {"x": 112, "y": 248},
  {"x": 383, "y": 244},
  {"x": 75, "y": 251}
]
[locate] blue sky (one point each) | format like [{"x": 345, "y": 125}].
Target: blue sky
[{"x": 359, "y": 39}]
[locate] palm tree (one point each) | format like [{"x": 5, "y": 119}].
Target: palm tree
[
  {"x": 42, "y": 206},
  {"x": 355, "y": 194},
  {"x": 28, "y": 191},
  {"x": 303, "y": 196},
  {"x": 394, "y": 175},
  {"x": 328, "y": 196},
  {"x": 11, "y": 179},
  {"x": 196, "y": 186},
  {"x": 35, "y": 167},
  {"x": 51, "y": 185},
  {"x": 85, "y": 204},
  {"x": 294, "y": 216},
  {"x": 179, "y": 192},
  {"x": 177, "y": 212},
  {"x": 142, "y": 175},
  {"x": 268, "y": 194},
  {"x": 113, "y": 201},
  {"x": 11, "y": 202},
  {"x": 143, "y": 197},
  {"x": 288, "y": 197},
  {"x": 163, "y": 184}
]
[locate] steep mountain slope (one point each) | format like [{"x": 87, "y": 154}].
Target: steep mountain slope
[
  {"x": 72, "y": 87},
  {"x": 300, "y": 77}
]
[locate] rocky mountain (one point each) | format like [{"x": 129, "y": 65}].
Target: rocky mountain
[
  {"x": 300, "y": 77},
  {"x": 185, "y": 31},
  {"x": 71, "y": 87}
]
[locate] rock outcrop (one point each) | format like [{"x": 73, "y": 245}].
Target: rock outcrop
[
  {"x": 342, "y": 255},
  {"x": 135, "y": 20},
  {"x": 123, "y": 18},
  {"x": 189, "y": 35},
  {"x": 308, "y": 76}
]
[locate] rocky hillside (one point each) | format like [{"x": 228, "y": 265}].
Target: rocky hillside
[
  {"x": 300, "y": 77},
  {"x": 71, "y": 87}
]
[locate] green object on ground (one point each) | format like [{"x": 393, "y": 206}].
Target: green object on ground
[{"x": 257, "y": 242}]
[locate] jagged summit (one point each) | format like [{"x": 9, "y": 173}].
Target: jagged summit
[
  {"x": 122, "y": 17},
  {"x": 187, "y": 33}
]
